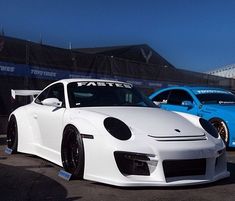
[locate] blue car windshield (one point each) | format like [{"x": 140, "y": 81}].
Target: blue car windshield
[
  {"x": 216, "y": 98},
  {"x": 93, "y": 94}
]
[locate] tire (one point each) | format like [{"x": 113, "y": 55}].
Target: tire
[
  {"x": 72, "y": 152},
  {"x": 222, "y": 129},
  {"x": 12, "y": 134}
]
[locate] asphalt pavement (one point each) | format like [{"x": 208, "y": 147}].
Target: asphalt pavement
[{"x": 28, "y": 178}]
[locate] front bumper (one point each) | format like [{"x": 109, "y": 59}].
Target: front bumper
[
  {"x": 183, "y": 167},
  {"x": 161, "y": 157}
]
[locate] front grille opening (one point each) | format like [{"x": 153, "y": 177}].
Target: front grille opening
[
  {"x": 132, "y": 163},
  {"x": 177, "y": 168}
]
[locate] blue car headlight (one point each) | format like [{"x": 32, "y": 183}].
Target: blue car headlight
[
  {"x": 209, "y": 128},
  {"x": 117, "y": 128}
]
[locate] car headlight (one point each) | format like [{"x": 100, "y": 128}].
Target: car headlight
[
  {"x": 208, "y": 127},
  {"x": 117, "y": 128}
]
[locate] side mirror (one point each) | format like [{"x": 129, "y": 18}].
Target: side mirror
[
  {"x": 52, "y": 102},
  {"x": 188, "y": 104},
  {"x": 156, "y": 103}
]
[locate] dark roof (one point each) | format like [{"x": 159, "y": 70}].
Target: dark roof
[{"x": 140, "y": 53}]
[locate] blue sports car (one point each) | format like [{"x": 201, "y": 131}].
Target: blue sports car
[{"x": 213, "y": 104}]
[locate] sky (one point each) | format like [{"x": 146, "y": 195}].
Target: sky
[{"x": 197, "y": 35}]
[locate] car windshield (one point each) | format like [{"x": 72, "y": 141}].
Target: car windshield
[
  {"x": 92, "y": 94},
  {"x": 216, "y": 98}
]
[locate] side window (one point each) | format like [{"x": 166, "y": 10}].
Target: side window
[
  {"x": 54, "y": 91},
  {"x": 178, "y": 96},
  {"x": 162, "y": 97},
  {"x": 42, "y": 96}
]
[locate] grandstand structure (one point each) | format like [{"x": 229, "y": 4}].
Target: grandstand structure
[{"x": 227, "y": 71}]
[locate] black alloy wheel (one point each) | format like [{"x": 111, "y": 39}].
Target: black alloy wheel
[
  {"x": 12, "y": 134},
  {"x": 72, "y": 152}
]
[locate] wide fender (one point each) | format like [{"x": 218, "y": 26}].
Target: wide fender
[
  {"x": 25, "y": 131},
  {"x": 211, "y": 113},
  {"x": 85, "y": 126},
  {"x": 101, "y": 144}
]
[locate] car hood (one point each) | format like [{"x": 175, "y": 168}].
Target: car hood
[{"x": 152, "y": 121}]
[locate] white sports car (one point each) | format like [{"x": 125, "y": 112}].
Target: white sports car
[{"x": 107, "y": 131}]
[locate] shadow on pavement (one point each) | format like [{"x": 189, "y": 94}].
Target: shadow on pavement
[
  {"x": 18, "y": 183},
  {"x": 3, "y": 141}
]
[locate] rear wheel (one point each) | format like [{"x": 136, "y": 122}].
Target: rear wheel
[
  {"x": 12, "y": 134},
  {"x": 222, "y": 129},
  {"x": 72, "y": 152}
]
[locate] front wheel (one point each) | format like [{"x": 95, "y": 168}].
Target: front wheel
[
  {"x": 12, "y": 134},
  {"x": 222, "y": 129},
  {"x": 72, "y": 152}
]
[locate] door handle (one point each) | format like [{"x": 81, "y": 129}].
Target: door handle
[{"x": 35, "y": 116}]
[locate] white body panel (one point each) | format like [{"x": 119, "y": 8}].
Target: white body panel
[{"x": 40, "y": 130}]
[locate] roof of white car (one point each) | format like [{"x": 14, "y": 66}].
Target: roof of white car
[{"x": 86, "y": 80}]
